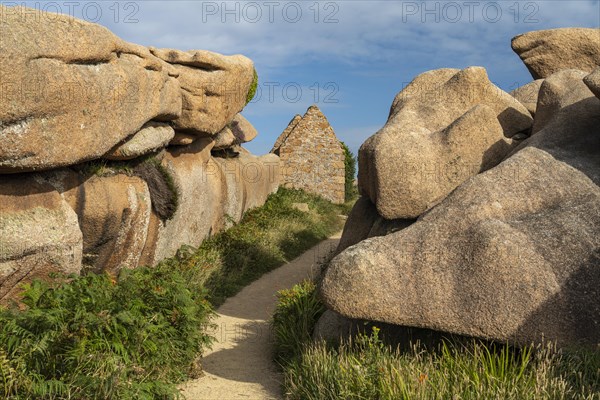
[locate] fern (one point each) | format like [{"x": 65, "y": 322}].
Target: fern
[{"x": 96, "y": 338}]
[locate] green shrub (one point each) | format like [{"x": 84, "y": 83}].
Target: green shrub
[
  {"x": 350, "y": 163},
  {"x": 298, "y": 310},
  {"x": 97, "y": 337},
  {"x": 253, "y": 87}
]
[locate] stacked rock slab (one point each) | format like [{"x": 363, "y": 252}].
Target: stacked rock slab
[
  {"x": 365, "y": 222},
  {"x": 152, "y": 137},
  {"x": 213, "y": 191},
  {"x": 528, "y": 95},
  {"x": 593, "y": 81},
  {"x": 105, "y": 149},
  {"x": 71, "y": 100},
  {"x": 238, "y": 131},
  {"x": 549, "y": 51},
  {"x": 213, "y": 88},
  {"x": 512, "y": 254},
  {"x": 113, "y": 213},
  {"x": 312, "y": 157}
]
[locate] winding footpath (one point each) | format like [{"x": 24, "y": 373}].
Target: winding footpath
[{"x": 240, "y": 364}]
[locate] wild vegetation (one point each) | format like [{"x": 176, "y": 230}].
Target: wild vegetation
[
  {"x": 350, "y": 189},
  {"x": 135, "y": 335},
  {"x": 366, "y": 367},
  {"x": 267, "y": 237},
  {"x": 253, "y": 87},
  {"x": 102, "y": 337},
  {"x": 298, "y": 309}
]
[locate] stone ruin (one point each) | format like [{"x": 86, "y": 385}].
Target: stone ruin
[{"x": 312, "y": 157}]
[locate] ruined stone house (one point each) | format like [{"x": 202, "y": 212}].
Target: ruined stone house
[{"x": 312, "y": 157}]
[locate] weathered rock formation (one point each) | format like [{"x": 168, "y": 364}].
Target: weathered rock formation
[
  {"x": 511, "y": 254},
  {"x": 312, "y": 157},
  {"x": 528, "y": 95},
  {"x": 211, "y": 190},
  {"x": 364, "y": 222},
  {"x": 444, "y": 127},
  {"x": 242, "y": 129},
  {"x": 72, "y": 100},
  {"x": 39, "y": 233},
  {"x": 549, "y": 51},
  {"x": 152, "y": 137},
  {"x": 593, "y": 82},
  {"x": 105, "y": 149},
  {"x": 213, "y": 88},
  {"x": 113, "y": 211}
]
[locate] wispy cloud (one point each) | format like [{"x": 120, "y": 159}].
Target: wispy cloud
[{"x": 369, "y": 48}]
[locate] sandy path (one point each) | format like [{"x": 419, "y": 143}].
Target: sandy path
[{"x": 240, "y": 365}]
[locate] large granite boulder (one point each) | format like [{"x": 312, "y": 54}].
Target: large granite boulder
[
  {"x": 242, "y": 129},
  {"x": 182, "y": 139},
  {"x": 548, "y": 51},
  {"x": 511, "y": 255},
  {"x": 528, "y": 95},
  {"x": 214, "y": 88},
  {"x": 248, "y": 180},
  {"x": 224, "y": 139},
  {"x": 593, "y": 82},
  {"x": 444, "y": 127},
  {"x": 72, "y": 99},
  {"x": 567, "y": 124},
  {"x": 238, "y": 131},
  {"x": 39, "y": 233},
  {"x": 199, "y": 186},
  {"x": 211, "y": 193},
  {"x": 364, "y": 222},
  {"x": 108, "y": 146},
  {"x": 114, "y": 214}
]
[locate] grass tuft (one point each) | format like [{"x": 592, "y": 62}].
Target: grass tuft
[
  {"x": 298, "y": 310},
  {"x": 365, "y": 367},
  {"x": 265, "y": 239}
]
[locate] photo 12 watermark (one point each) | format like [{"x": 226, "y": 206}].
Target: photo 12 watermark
[
  {"x": 294, "y": 92},
  {"x": 254, "y": 12},
  {"x": 118, "y": 12},
  {"x": 526, "y": 12}
]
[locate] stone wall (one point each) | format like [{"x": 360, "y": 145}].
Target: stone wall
[
  {"x": 108, "y": 156},
  {"x": 312, "y": 157}
]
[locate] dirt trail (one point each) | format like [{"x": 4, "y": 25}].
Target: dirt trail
[{"x": 240, "y": 365}]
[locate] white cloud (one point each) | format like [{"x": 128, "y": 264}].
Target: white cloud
[
  {"x": 365, "y": 31},
  {"x": 370, "y": 41}
]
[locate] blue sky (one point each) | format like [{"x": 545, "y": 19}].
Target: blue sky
[{"x": 349, "y": 57}]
